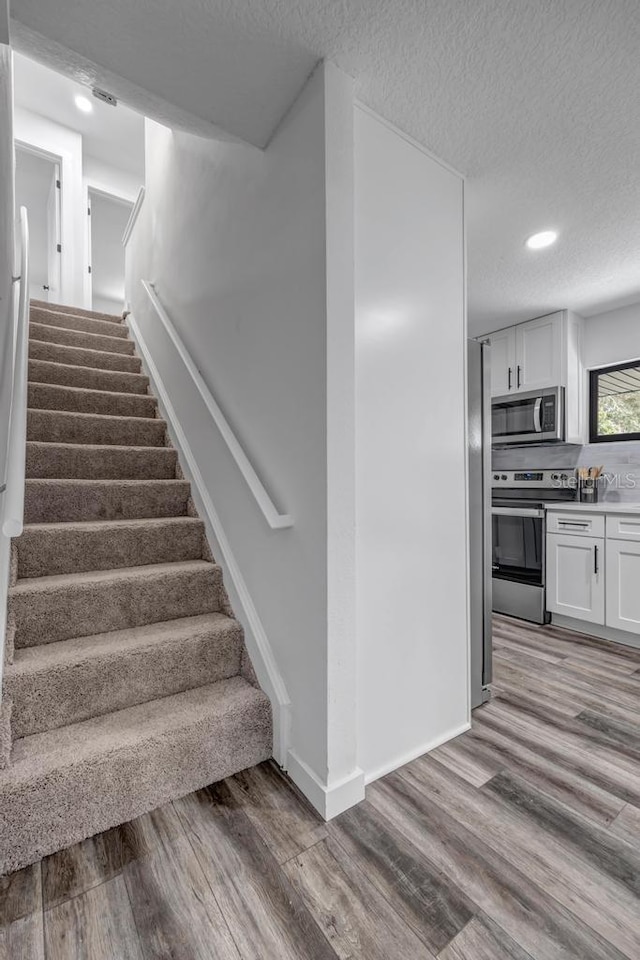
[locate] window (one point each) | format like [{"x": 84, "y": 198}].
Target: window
[{"x": 614, "y": 403}]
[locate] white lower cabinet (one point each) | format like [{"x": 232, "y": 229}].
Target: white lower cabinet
[
  {"x": 623, "y": 585},
  {"x": 575, "y": 576}
]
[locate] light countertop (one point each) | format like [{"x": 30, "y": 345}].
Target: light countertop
[{"x": 601, "y": 507}]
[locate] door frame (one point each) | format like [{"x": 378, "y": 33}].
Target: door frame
[
  {"x": 57, "y": 160},
  {"x": 91, "y": 190}
]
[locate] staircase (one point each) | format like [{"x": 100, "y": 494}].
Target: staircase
[{"x": 125, "y": 668}]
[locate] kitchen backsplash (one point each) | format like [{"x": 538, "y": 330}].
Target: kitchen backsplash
[{"x": 621, "y": 462}]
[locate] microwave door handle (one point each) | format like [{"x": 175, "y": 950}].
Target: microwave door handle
[{"x": 537, "y": 425}]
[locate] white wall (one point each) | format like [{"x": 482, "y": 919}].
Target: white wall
[
  {"x": 109, "y": 179},
  {"x": 612, "y": 337},
  {"x": 108, "y": 219},
  {"x": 58, "y": 141},
  {"x": 237, "y": 242},
  {"x": 411, "y": 449}
]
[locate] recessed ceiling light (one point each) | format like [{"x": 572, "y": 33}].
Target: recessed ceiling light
[
  {"x": 539, "y": 240},
  {"x": 84, "y": 104}
]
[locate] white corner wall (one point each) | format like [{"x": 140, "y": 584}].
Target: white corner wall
[
  {"x": 252, "y": 257},
  {"x": 61, "y": 142},
  {"x": 411, "y": 557},
  {"x": 111, "y": 180}
]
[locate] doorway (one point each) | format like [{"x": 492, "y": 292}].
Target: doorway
[
  {"x": 108, "y": 217},
  {"x": 38, "y": 187}
]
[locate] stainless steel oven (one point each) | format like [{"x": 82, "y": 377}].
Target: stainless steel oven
[
  {"x": 528, "y": 417},
  {"x": 518, "y": 560},
  {"x": 518, "y": 511}
]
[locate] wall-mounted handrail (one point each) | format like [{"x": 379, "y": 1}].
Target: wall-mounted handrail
[
  {"x": 13, "y": 504},
  {"x": 276, "y": 520},
  {"x": 133, "y": 216}
]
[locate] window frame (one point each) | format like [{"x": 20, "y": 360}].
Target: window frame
[{"x": 594, "y": 374}]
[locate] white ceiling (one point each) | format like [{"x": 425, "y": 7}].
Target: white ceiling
[
  {"x": 536, "y": 101},
  {"x": 114, "y": 135}
]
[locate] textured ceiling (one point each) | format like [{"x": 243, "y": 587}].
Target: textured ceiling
[{"x": 535, "y": 101}]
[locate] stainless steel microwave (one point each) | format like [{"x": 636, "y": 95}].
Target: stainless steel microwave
[{"x": 535, "y": 416}]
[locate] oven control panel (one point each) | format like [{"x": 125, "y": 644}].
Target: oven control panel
[{"x": 534, "y": 479}]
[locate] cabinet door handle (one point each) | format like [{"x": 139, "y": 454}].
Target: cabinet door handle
[
  {"x": 509, "y": 381},
  {"x": 518, "y": 368},
  {"x": 595, "y": 559}
]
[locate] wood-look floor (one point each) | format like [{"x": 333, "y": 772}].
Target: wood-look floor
[{"x": 519, "y": 840}]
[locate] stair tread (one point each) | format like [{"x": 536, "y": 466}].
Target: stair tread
[
  {"x": 68, "y": 321},
  {"x": 147, "y": 571},
  {"x": 92, "y": 391},
  {"x": 75, "y": 311},
  {"x": 40, "y": 754},
  {"x": 28, "y": 660},
  {"x": 105, "y": 356},
  {"x": 98, "y": 417},
  {"x": 71, "y": 499},
  {"x": 137, "y": 523},
  {"x": 52, "y": 546},
  {"x": 132, "y": 482},
  {"x": 112, "y": 447},
  {"x": 76, "y": 350},
  {"x": 80, "y": 335},
  {"x": 73, "y": 370}
]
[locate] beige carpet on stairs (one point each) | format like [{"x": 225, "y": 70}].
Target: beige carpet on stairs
[{"x": 126, "y": 680}]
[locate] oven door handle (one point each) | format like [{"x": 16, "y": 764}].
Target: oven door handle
[
  {"x": 517, "y": 512},
  {"x": 537, "y": 422}
]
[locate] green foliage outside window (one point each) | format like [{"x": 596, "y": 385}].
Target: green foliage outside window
[{"x": 619, "y": 413}]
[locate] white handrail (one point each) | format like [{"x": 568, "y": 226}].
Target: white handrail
[
  {"x": 13, "y": 506},
  {"x": 133, "y": 216},
  {"x": 276, "y": 520}
]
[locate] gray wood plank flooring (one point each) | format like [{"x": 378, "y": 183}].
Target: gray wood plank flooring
[{"x": 519, "y": 840}]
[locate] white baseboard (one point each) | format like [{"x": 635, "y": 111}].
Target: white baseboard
[
  {"x": 596, "y": 630},
  {"x": 400, "y": 761},
  {"x": 258, "y": 646},
  {"x": 328, "y": 800}
]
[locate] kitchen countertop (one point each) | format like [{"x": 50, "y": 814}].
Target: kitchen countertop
[{"x": 601, "y": 507}]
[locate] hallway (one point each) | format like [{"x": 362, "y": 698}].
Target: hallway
[{"x": 520, "y": 840}]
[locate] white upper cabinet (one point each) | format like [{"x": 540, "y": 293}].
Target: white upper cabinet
[
  {"x": 539, "y": 353},
  {"x": 503, "y": 361}
]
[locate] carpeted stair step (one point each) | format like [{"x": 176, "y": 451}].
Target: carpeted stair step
[
  {"x": 66, "y": 375},
  {"x": 81, "y": 357},
  {"x": 50, "y": 396},
  {"x": 62, "y": 426},
  {"x": 45, "y": 333},
  {"x": 51, "y": 549},
  {"x": 84, "y": 462},
  {"x": 73, "y": 322},
  {"x": 61, "y": 683},
  {"x": 47, "y": 609},
  {"x": 60, "y": 500},
  {"x": 76, "y": 311},
  {"x": 70, "y": 783}
]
